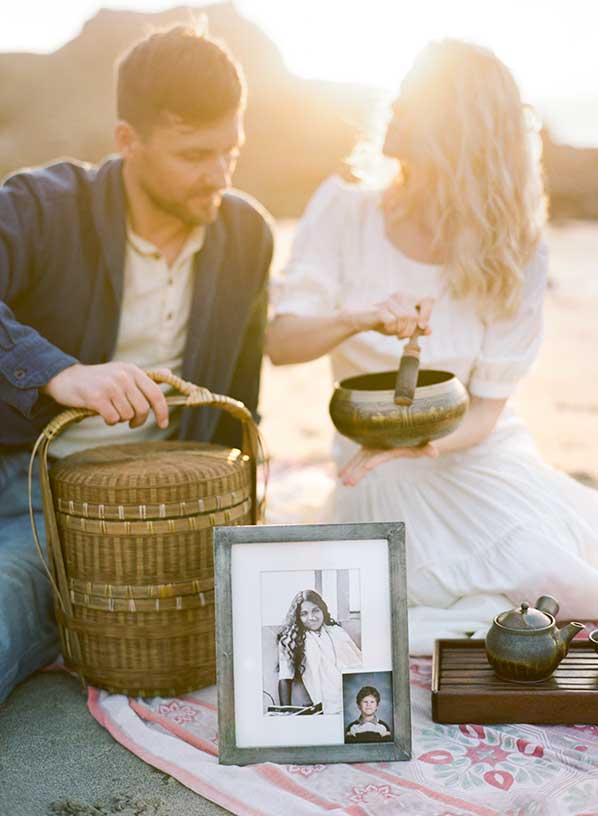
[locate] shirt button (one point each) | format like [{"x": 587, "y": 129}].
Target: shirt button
[
  {"x": 20, "y": 373},
  {"x": 169, "y": 316}
]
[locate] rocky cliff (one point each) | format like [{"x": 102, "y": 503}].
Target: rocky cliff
[
  {"x": 62, "y": 104},
  {"x": 298, "y": 131}
]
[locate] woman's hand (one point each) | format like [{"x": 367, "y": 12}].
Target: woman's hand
[
  {"x": 366, "y": 459},
  {"x": 477, "y": 425},
  {"x": 298, "y": 339},
  {"x": 398, "y": 315}
]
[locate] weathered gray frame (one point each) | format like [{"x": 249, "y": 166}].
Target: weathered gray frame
[{"x": 400, "y": 748}]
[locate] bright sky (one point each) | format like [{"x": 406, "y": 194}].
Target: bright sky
[{"x": 548, "y": 44}]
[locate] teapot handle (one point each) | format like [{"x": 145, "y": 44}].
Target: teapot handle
[{"x": 546, "y": 603}]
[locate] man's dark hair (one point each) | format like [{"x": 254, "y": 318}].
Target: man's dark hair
[
  {"x": 368, "y": 691},
  {"x": 181, "y": 72}
]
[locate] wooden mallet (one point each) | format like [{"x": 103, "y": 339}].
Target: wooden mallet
[{"x": 406, "y": 382}]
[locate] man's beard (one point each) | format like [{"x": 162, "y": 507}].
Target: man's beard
[{"x": 183, "y": 212}]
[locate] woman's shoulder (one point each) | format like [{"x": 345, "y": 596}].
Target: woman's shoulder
[{"x": 336, "y": 194}]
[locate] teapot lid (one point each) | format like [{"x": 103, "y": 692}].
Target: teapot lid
[{"x": 525, "y": 617}]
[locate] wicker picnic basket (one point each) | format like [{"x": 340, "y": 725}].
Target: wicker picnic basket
[{"x": 129, "y": 532}]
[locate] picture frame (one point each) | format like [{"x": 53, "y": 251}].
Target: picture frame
[{"x": 342, "y": 637}]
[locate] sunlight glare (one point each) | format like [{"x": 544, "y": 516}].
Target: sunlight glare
[{"x": 548, "y": 45}]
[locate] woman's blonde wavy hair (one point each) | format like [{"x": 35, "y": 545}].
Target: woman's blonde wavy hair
[{"x": 477, "y": 172}]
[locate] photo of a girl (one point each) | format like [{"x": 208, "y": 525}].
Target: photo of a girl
[{"x": 313, "y": 648}]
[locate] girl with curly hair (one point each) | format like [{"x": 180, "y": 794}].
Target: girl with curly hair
[{"x": 314, "y": 648}]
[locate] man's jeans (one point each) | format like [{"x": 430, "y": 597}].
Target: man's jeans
[{"x": 28, "y": 634}]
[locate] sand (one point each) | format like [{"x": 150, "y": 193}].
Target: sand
[{"x": 55, "y": 760}]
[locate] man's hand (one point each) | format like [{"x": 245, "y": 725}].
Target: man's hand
[
  {"x": 119, "y": 392},
  {"x": 398, "y": 315},
  {"x": 367, "y": 459}
]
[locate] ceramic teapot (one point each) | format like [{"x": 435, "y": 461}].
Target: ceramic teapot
[{"x": 524, "y": 645}]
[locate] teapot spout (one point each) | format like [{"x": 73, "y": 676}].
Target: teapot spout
[{"x": 568, "y": 632}]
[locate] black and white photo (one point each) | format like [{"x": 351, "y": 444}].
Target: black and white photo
[
  {"x": 308, "y": 619},
  {"x": 310, "y": 636},
  {"x": 368, "y": 707}
]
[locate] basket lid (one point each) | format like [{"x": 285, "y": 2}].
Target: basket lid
[{"x": 151, "y": 479}]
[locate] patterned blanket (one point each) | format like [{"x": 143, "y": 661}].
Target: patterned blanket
[{"x": 456, "y": 770}]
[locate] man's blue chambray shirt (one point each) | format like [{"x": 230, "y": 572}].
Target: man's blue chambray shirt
[{"x": 62, "y": 250}]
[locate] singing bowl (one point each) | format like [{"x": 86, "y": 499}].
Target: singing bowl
[{"x": 363, "y": 409}]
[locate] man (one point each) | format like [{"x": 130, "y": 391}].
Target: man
[{"x": 143, "y": 262}]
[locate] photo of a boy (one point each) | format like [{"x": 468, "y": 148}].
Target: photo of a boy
[{"x": 367, "y": 727}]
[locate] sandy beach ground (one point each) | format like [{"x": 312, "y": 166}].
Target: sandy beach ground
[{"x": 55, "y": 759}]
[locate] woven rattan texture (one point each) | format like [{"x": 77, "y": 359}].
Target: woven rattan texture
[
  {"x": 145, "y": 654},
  {"x": 155, "y": 475},
  {"x": 135, "y": 524},
  {"x": 140, "y": 559}
]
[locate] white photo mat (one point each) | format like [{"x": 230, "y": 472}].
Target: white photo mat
[{"x": 248, "y": 562}]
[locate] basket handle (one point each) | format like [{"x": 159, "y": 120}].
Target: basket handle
[
  {"x": 191, "y": 396},
  {"x": 194, "y": 396}
]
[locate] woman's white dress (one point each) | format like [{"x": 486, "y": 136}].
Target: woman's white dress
[{"x": 486, "y": 527}]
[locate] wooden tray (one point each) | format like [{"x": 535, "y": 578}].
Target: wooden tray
[{"x": 466, "y": 690}]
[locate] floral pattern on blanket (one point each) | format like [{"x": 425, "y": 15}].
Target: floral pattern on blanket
[
  {"x": 179, "y": 712},
  {"x": 457, "y": 770},
  {"x": 474, "y": 756}
]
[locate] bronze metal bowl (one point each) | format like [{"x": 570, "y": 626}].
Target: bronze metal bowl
[
  {"x": 363, "y": 409},
  {"x": 593, "y": 637}
]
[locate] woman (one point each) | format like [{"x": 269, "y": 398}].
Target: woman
[
  {"x": 314, "y": 648},
  {"x": 452, "y": 246},
  {"x": 367, "y": 727}
]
